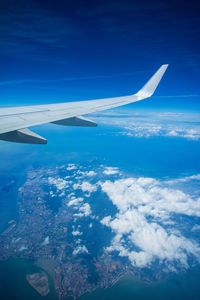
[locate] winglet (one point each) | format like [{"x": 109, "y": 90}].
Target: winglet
[{"x": 151, "y": 85}]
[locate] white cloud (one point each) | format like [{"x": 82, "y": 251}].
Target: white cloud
[
  {"x": 75, "y": 201},
  {"x": 84, "y": 211},
  {"x": 111, "y": 170},
  {"x": 196, "y": 227},
  {"x": 80, "y": 250},
  {"x": 90, "y": 173},
  {"x": 46, "y": 241},
  {"x": 52, "y": 194},
  {"x": 71, "y": 167},
  {"x": 184, "y": 133},
  {"x": 58, "y": 182},
  {"x": 85, "y": 187},
  {"x": 150, "y": 197},
  {"x": 137, "y": 199},
  {"x": 184, "y": 179},
  {"x": 155, "y": 124},
  {"x": 145, "y": 226},
  {"x": 76, "y": 232},
  {"x": 82, "y": 174},
  {"x": 172, "y": 133},
  {"x": 22, "y": 248}
]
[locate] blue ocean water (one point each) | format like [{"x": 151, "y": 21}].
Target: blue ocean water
[
  {"x": 176, "y": 287},
  {"x": 13, "y": 283}
]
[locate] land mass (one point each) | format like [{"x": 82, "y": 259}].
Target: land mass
[
  {"x": 65, "y": 241},
  {"x": 39, "y": 281}
]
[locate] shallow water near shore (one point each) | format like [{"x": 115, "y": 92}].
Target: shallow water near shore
[
  {"x": 180, "y": 286},
  {"x": 13, "y": 285}
]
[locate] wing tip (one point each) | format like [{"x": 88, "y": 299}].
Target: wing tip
[{"x": 149, "y": 88}]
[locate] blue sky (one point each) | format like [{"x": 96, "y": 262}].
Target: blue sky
[{"x": 65, "y": 51}]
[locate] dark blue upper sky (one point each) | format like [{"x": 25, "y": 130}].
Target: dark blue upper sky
[{"x": 54, "y": 51}]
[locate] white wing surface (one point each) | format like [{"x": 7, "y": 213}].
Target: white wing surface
[{"x": 14, "y": 121}]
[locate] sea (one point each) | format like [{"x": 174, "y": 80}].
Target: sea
[{"x": 184, "y": 286}]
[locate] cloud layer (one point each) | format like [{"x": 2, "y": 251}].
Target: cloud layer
[
  {"x": 154, "y": 124},
  {"x": 153, "y": 220},
  {"x": 145, "y": 210}
]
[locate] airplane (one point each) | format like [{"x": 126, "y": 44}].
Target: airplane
[{"x": 14, "y": 121}]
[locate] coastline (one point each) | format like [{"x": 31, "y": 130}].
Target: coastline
[
  {"x": 13, "y": 282},
  {"x": 128, "y": 287}
]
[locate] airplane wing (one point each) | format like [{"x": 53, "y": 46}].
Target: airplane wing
[{"x": 14, "y": 121}]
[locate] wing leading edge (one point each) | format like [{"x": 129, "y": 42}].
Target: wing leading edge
[{"x": 15, "y": 120}]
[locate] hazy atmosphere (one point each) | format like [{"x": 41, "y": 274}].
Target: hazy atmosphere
[{"x": 110, "y": 212}]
